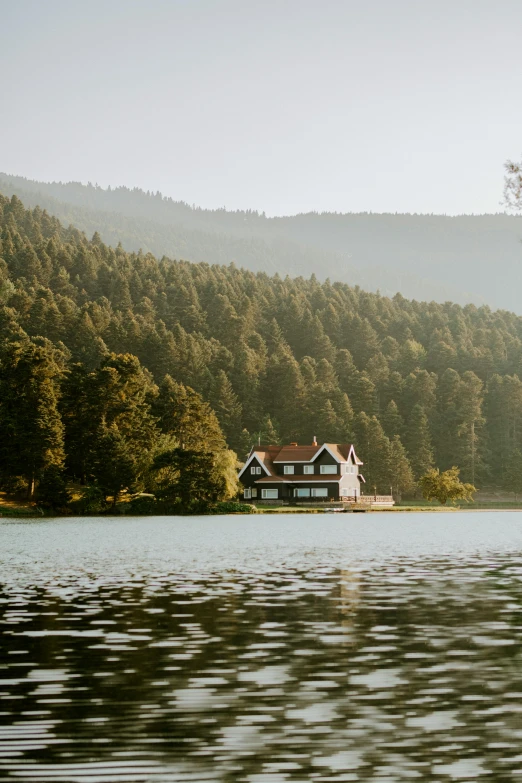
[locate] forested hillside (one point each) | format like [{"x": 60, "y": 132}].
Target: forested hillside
[
  {"x": 413, "y": 384},
  {"x": 464, "y": 259}
]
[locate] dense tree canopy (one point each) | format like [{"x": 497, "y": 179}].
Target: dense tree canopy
[{"x": 130, "y": 340}]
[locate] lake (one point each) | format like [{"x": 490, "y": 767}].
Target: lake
[{"x": 376, "y": 647}]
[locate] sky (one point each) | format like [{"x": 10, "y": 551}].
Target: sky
[{"x": 284, "y": 106}]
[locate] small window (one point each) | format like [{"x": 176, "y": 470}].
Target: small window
[
  {"x": 254, "y": 492},
  {"x": 308, "y": 469},
  {"x": 269, "y": 494},
  {"x": 320, "y": 492},
  {"x": 302, "y": 492},
  {"x": 247, "y": 494},
  {"x": 258, "y": 471},
  {"x": 288, "y": 469},
  {"x": 328, "y": 468},
  {"x": 253, "y": 471}
]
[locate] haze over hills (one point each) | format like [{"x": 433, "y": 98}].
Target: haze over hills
[{"x": 465, "y": 259}]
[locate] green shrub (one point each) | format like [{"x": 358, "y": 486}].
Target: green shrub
[
  {"x": 15, "y": 486},
  {"x": 91, "y": 502},
  {"x": 145, "y": 505},
  {"x": 233, "y": 507},
  {"x": 52, "y": 492}
]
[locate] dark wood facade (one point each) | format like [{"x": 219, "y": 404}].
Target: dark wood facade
[{"x": 264, "y": 477}]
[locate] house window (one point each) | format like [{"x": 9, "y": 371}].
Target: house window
[
  {"x": 320, "y": 492},
  {"x": 288, "y": 469},
  {"x": 302, "y": 492},
  {"x": 328, "y": 468},
  {"x": 254, "y": 492},
  {"x": 269, "y": 494},
  {"x": 347, "y": 492},
  {"x": 247, "y": 494},
  {"x": 307, "y": 469},
  {"x": 255, "y": 471}
]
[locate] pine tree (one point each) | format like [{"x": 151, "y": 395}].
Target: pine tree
[
  {"x": 344, "y": 415},
  {"x": 470, "y": 412},
  {"x": 283, "y": 392},
  {"x": 512, "y": 479},
  {"x": 417, "y": 440},
  {"x": 403, "y": 481},
  {"x": 363, "y": 395},
  {"x": 227, "y": 407},
  {"x": 268, "y": 433},
  {"x": 182, "y": 413},
  {"x": 52, "y": 489},
  {"x": 374, "y": 448},
  {"x": 31, "y": 429},
  {"x": 115, "y": 463},
  {"x": 346, "y": 371},
  {"x": 327, "y": 424},
  {"x": 189, "y": 479},
  {"x": 392, "y": 421}
]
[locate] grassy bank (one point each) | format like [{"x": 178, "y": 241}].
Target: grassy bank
[{"x": 10, "y": 507}]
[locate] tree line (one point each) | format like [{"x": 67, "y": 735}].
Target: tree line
[
  {"x": 111, "y": 430},
  {"x": 412, "y": 384}
]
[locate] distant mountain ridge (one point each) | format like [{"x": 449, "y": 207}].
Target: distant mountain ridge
[{"x": 466, "y": 259}]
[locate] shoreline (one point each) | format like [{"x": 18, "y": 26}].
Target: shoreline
[{"x": 25, "y": 513}]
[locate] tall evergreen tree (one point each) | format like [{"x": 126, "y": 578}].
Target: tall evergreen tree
[
  {"x": 512, "y": 478},
  {"x": 417, "y": 440},
  {"x": 402, "y": 480},
  {"x": 392, "y": 421},
  {"x": 182, "y": 413},
  {"x": 228, "y": 409},
  {"x": 31, "y": 430}
]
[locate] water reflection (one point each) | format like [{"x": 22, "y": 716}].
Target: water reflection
[{"x": 353, "y": 651}]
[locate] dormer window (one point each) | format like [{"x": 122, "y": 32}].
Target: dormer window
[
  {"x": 288, "y": 469},
  {"x": 328, "y": 468}
]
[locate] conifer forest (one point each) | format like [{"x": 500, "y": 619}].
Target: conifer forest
[{"x": 120, "y": 371}]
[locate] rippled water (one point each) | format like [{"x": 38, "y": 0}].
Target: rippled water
[{"x": 354, "y": 648}]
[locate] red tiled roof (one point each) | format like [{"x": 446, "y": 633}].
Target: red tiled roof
[{"x": 296, "y": 453}]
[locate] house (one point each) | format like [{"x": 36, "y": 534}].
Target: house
[{"x": 318, "y": 472}]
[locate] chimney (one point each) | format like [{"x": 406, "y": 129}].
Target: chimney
[
  {"x": 293, "y": 444},
  {"x": 315, "y": 441}
]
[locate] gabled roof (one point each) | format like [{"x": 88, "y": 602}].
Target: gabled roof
[
  {"x": 341, "y": 452},
  {"x": 263, "y": 455},
  {"x": 268, "y": 455}
]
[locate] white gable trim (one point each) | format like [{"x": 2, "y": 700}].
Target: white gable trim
[
  {"x": 254, "y": 455},
  {"x": 324, "y": 447},
  {"x": 356, "y": 459}
]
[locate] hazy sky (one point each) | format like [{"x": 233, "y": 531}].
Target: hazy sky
[{"x": 280, "y": 105}]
